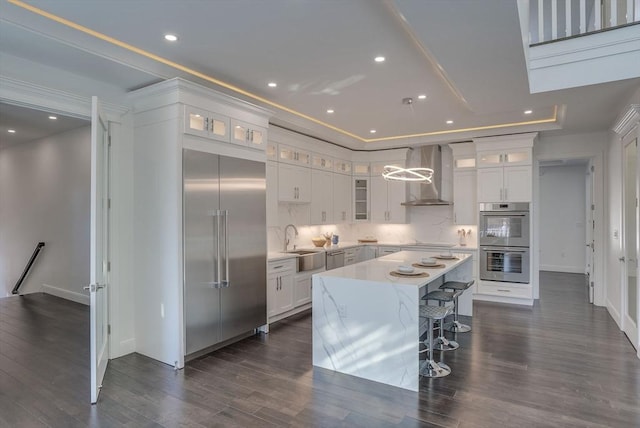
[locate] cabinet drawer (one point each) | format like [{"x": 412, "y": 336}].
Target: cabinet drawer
[
  {"x": 523, "y": 291},
  {"x": 281, "y": 266}
]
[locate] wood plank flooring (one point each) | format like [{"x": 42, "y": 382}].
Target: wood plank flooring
[{"x": 562, "y": 363}]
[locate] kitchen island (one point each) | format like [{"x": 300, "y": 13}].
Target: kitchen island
[{"x": 365, "y": 320}]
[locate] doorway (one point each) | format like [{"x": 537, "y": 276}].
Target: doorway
[
  {"x": 630, "y": 241},
  {"x": 564, "y": 195}
]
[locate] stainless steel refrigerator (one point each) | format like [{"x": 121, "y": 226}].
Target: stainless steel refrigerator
[{"x": 225, "y": 248}]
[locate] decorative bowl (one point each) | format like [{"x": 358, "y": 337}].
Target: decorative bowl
[
  {"x": 429, "y": 261},
  {"x": 405, "y": 269},
  {"x": 319, "y": 241}
]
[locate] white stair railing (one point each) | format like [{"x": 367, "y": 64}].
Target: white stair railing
[{"x": 557, "y": 19}]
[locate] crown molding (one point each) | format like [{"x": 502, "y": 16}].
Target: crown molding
[{"x": 627, "y": 120}]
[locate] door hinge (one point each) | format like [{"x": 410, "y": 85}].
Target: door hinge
[
  {"x": 108, "y": 328},
  {"x": 593, "y": 207},
  {"x": 109, "y": 203},
  {"x": 109, "y": 140}
]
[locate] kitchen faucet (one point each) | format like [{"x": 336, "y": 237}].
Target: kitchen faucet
[{"x": 286, "y": 241}]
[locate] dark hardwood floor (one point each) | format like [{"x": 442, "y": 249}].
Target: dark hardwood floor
[{"x": 562, "y": 363}]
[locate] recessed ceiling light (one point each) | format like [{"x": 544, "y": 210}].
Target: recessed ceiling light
[
  {"x": 11, "y": 131},
  {"x": 272, "y": 84},
  {"x": 528, "y": 111},
  {"x": 373, "y": 131},
  {"x": 422, "y": 97},
  {"x": 170, "y": 37},
  {"x": 379, "y": 59},
  {"x": 53, "y": 117},
  {"x": 330, "y": 111},
  {"x": 449, "y": 122}
]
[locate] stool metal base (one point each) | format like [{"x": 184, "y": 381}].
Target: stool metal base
[
  {"x": 432, "y": 368},
  {"x": 443, "y": 344},
  {"x": 457, "y": 327}
]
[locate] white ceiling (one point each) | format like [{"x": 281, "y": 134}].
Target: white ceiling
[{"x": 465, "y": 55}]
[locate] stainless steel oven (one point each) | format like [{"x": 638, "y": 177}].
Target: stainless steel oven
[
  {"x": 507, "y": 264},
  {"x": 504, "y": 224}
]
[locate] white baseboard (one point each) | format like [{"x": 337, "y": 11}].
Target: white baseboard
[
  {"x": 565, "y": 269},
  {"x": 126, "y": 347},
  {"x": 66, "y": 294},
  {"x": 614, "y": 314}
]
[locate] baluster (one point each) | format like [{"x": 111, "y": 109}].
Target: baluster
[
  {"x": 613, "y": 21},
  {"x": 567, "y": 12},
  {"x": 583, "y": 16},
  {"x": 597, "y": 21},
  {"x": 629, "y": 14},
  {"x": 541, "y": 21},
  {"x": 554, "y": 19}
]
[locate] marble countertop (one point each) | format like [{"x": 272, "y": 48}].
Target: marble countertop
[{"x": 378, "y": 270}]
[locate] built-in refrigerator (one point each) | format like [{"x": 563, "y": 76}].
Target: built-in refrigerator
[{"x": 225, "y": 249}]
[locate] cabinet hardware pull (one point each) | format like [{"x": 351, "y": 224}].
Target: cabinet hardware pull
[{"x": 503, "y": 290}]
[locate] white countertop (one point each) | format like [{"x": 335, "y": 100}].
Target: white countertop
[{"x": 378, "y": 270}]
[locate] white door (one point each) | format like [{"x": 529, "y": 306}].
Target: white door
[
  {"x": 99, "y": 248},
  {"x": 589, "y": 229},
  {"x": 630, "y": 215}
]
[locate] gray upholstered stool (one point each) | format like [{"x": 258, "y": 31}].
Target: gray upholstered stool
[
  {"x": 430, "y": 367},
  {"x": 441, "y": 343},
  {"x": 455, "y": 326}
]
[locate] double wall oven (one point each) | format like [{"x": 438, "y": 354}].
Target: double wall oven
[{"x": 503, "y": 235}]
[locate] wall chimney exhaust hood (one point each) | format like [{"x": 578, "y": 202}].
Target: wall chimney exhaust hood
[{"x": 428, "y": 193}]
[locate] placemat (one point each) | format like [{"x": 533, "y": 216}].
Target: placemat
[
  {"x": 411, "y": 275},
  {"x": 445, "y": 258},
  {"x": 421, "y": 266}
]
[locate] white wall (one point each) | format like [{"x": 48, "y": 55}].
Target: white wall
[
  {"x": 562, "y": 218},
  {"x": 45, "y": 196}
]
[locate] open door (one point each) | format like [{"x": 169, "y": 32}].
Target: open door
[
  {"x": 589, "y": 230},
  {"x": 99, "y": 248},
  {"x": 630, "y": 240}
]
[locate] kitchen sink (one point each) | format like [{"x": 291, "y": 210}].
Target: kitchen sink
[{"x": 308, "y": 260}]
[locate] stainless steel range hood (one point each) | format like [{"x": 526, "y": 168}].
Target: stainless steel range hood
[{"x": 429, "y": 193}]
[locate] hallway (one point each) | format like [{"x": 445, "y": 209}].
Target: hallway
[{"x": 562, "y": 363}]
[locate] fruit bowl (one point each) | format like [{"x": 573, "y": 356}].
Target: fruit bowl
[{"x": 319, "y": 241}]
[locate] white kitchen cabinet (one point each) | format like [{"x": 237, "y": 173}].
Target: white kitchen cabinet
[
  {"x": 206, "y": 124},
  {"x": 321, "y": 197},
  {"x": 352, "y": 255},
  {"x": 465, "y": 206},
  {"x": 294, "y": 184},
  {"x": 369, "y": 252},
  {"x": 387, "y": 196},
  {"x": 361, "y": 168},
  {"x": 341, "y": 199},
  {"x": 361, "y": 192},
  {"x": 385, "y": 251},
  {"x": 280, "y": 286},
  {"x": 323, "y": 162},
  {"x": 505, "y": 157},
  {"x": 272, "y": 193},
  {"x": 302, "y": 289},
  {"x": 272, "y": 151},
  {"x": 293, "y": 155},
  {"x": 342, "y": 166},
  {"x": 248, "y": 135},
  {"x": 505, "y": 184}
]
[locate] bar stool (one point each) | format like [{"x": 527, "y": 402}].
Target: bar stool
[
  {"x": 456, "y": 286},
  {"x": 442, "y": 297},
  {"x": 430, "y": 367}
]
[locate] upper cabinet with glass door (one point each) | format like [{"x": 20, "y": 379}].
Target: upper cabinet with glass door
[
  {"x": 293, "y": 155},
  {"x": 511, "y": 157},
  {"x": 247, "y": 134},
  {"x": 206, "y": 124}
]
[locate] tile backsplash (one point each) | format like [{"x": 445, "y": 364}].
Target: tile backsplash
[{"x": 424, "y": 224}]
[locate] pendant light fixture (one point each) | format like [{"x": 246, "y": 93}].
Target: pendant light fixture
[{"x": 396, "y": 173}]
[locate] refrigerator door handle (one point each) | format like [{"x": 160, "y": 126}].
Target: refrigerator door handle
[
  {"x": 216, "y": 249},
  {"x": 225, "y": 282}
]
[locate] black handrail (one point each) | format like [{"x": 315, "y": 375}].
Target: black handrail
[{"x": 28, "y": 267}]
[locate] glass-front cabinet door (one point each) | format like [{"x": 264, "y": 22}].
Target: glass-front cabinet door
[{"x": 206, "y": 124}]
